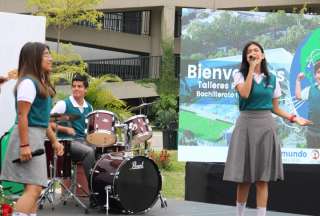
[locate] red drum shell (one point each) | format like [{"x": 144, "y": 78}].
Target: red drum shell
[
  {"x": 140, "y": 129},
  {"x": 135, "y": 182},
  {"x": 63, "y": 162},
  {"x": 101, "y": 128}
]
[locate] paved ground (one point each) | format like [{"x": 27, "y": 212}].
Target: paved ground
[{"x": 175, "y": 208}]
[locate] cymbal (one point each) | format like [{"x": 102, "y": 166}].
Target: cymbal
[
  {"x": 63, "y": 117},
  {"x": 140, "y": 106}
]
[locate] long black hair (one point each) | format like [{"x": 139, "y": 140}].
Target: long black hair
[
  {"x": 30, "y": 64},
  {"x": 244, "y": 67}
]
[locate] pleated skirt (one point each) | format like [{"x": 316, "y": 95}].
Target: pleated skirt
[
  {"x": 254, "y": 153},
  {"x": 33, "y": 171}
]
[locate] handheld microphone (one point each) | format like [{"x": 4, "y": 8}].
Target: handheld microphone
[
  {"x": 37, "y": 152},
  {"x": 252, "y": 58}
]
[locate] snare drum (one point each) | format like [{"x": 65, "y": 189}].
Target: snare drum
[
  {"x": 139, "y": 127},
  {"x": 63, "y": 162},
  {"x": 101, "y": 128},
  {"x": 135, "y": 182}
]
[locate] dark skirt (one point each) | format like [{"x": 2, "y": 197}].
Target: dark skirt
[{"x": 254, "y": 152}]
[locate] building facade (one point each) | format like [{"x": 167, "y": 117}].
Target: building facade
[{"x": 138, "y": 27}]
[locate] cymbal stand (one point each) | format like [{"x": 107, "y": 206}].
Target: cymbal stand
[{"x": 50, "y": 192}]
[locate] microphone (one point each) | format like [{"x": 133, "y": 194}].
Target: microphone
[
  {"x": 252, "y": 58},
  {"x": 37, "y": 152}
]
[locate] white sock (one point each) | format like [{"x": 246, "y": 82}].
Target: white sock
[
  {"x": 261, "y": 211},
  {"x": 19, "y": 214},
  {"x": 240, "y": 208},
  {"x": 33, "y": 214}
]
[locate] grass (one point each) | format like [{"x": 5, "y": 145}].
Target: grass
[
  {"x": 205, "y": 128},
  {"x": 173, "y": 184}
]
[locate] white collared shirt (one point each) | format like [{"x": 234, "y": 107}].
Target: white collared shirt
[
  {"x": 61, "y": 106},
  {"x": 238, "y": 79},
  {"x": 305, "y": 92},
  {"x": 26, "y": 91}
]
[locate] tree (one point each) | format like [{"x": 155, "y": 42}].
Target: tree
[
  {"x": 63, "y": 13},
  {"x": 66, "y": 63},
  {"x": 102, "y": 99},
  {"x": 167, "y": 83}
]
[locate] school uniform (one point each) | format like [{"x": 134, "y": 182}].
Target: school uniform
[
  {"x": 32, "y": 171},
  {"x": 254, "y": 153},
  {"x": 312, "y": 95},
  {"x": 79, "y": 150}
]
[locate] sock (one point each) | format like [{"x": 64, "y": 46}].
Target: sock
[
  {"x": 240, "y": 208},
  {"x": 33, "y": 214},
  {"x": 19, "y": 214},
  {"x": 261, "y": 211}
]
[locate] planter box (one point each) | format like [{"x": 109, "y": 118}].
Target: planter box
[{"x": 170, "y": 139}]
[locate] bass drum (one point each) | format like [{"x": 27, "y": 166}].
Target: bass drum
[{"x": 135, "y": 182}]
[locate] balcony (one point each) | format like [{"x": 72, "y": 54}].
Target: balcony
[
  {"x": 128, "y": 69},
  {"x": 132, "y": 22}
]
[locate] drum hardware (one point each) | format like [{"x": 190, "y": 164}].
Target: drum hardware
[
  {"x": 107, "y": 189},
  {"x": 139, "y": 107},
  {"x": 74, "y": 184},
  {"x": 50, "y": 192},
  {"x": 163, "y": 201},
  {"x": 94, "y": 171}
]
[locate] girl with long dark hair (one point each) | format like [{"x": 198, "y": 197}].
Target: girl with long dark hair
[
  {"x": 254, "y": 154},
  {"x": 33, "y": 93}
]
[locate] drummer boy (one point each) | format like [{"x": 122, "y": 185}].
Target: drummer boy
[{"x": 76, "y": 105}]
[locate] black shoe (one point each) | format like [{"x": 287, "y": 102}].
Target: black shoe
[{"x": 93, "y": 202}]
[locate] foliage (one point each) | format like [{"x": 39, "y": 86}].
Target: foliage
[
  {"x": 102, "y": 99},
  {"x": 6, "y": 204},
  {"x": 162, "y": 159},
  {"x": 63, "y": 13},
  {"x": 167, "y": 83},
  {"x": 173, "y": 184},
  {"x": 61, "y": 95},
  {"x": 68, "y": 62},
  {"x": 205, "y": 38},
  {"x": 165, "y": 109}
]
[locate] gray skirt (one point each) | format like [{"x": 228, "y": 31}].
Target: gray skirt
[
  {"x": 254, "y": 152},
  {"x": 33, "y": 171}
]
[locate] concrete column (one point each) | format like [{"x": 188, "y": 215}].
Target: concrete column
[
  {"x": 167, "y": 22},
  {"x": 155, "y": 33}
]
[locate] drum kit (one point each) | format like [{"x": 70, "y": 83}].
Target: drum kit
[{"x": 119, "y": 181}]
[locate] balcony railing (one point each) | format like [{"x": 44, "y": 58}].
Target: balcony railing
[
  {"x": 133, "y": 22},
  {"x": 137, "y": 68}
]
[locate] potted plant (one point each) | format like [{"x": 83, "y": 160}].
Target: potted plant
[{"x": 166, "y": 116}]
